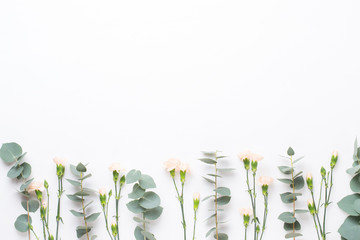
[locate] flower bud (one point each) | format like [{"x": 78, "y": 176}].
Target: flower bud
[
  {"x": 60, "y": 171},
  {"x": 254, "y": 165},
  {"x": 334, "y": 159},
  {"x": 122, "y": 180},
  {"x": 246, "y": 162},
  {"x": 115, "y": 176},
  {"x": 102, "y": 192},
  {"x": 265, "y": 189},
  {"x": 196, "y": 200},
  {"x": 46, "y": 184},
  {"x": 114, "y": 228},
  {"x": 311, "y": 206},
  {"x": 172, "y": 173},
  {"x": 51, "y": 237},
  {"x": 323, "y": 172},
  {"x": 309, "y": 181},
  {"x": 246, "y": 212},
  {"x": 38, "y": 194},
  {"x": 257, "y": 229},
  {"x": 182, "y": 176}
]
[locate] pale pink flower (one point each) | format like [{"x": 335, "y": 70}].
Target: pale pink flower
[
  {"x": 264, "y": 180},
  {"x": 335, "y": 153},
  {"x": 60, "y": 161},
  {"x": 250, "y": 156},
  {"x": 44, "y": 204},
  {"x": 116, "y": 166},
  {"x": 184, "y": 167},
  {"x": 172, "y": 164},
  {"x": 309, "y": 175},
  {"x": 246, "y": 211},
  {"x": 102, "y": 191},
  {"x": 310, "y": 202},
  {"x": 36, "y": 186},
  {"x": 196, "y": 196}
]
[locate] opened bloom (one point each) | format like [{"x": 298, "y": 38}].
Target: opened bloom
[
  {"x": 248, "y": 157},
  {"x": 60, "y": 161},
  {"x": 246, "y": 211},
  {"x": 264, "y": 180},
  {"x": 36, "y": 186},
  {"x": 172, "y": 164},
  {"x": 116, "y": 166},
  {"x": 102, "y": 191},
  {"x": 184, "y": 167}
]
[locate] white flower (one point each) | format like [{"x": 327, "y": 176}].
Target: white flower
[
  {"x": 246, "y": 211},
  {"x": 335, "y": 153},
  {"x": 184, "y": 167},
  {"x": 250, "y": 156},
  {"x": 172, "y": 164},
  {"x": 102, "y": 191},
  {"x": 113, "y": 223},
  {"x": 60, "y": 161},
  {"x": 309, "y": 175},
  {"x": 116, "y": 166},
  {"x": 36, "y": 186},
  {"x": 264, "y": 180},
  {"x": 196, "y": 196},
  {"x": 310, "y": 202}
]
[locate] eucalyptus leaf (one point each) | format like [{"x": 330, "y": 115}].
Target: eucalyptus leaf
[
  {"x": 33, "y": 205},
  {"x": 26, "y": 170},
  {"x": 153, "y": 214},
  {"x": 223, "y": 191},
  {"x": 285, "y": 169},
  {"x": 146, "y": 182},
  {"x": 133, "y": 176},
  {"x": 15, "y": 171},
  {"x": 355, "y": 183},
  {"x": 81, "y": 168},
  {"x": 290, "y": 152},
  {"x": 92, "y": 217},
  {"x": 292, "y": 235},
  {"x": 208, "y": 160},
  {"x": 223, "y": 200},
  {"x": 10, "y": 152},
  {"x": 350, "y": 229},
  {"x": 287, "y": 217},
  {"x": 347, "y": 204},
  {"x": 135, "y": 207},
  {"x": 149, "y": 200},
  {"x": 22, "y": 223},
  {"x": 137, "y": 192}
]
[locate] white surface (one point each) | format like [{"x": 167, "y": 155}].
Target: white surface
[{"x": 141, "y": 81}]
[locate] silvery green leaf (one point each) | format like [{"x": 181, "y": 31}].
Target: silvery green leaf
[
  {"x": 74, "y": 171},
  {"x": 137, "y": 192},
  {"x": 135, "y": 207},
  {"x": 209, "y": 180},
  {"x": 10, "y": 152},
  {"x": 148, "y": 235},
  {"x": 347, "y": 204},
  {"x": 213, "y": 215},
  {"x": 208, "y": 160},
  {"x": 350, "y": 229},
  {"x": 74, "y": 198},
  {"x": 74, "y": 183},
  {"x": 140, "y": 220},
  {"x": 26, "y": 170},
  {"x": 210, "y": 231},
  {"x": 15, "y": 171},
  {"x": 223, "y": 200},
  {"x": 146, "y": 182},
  {"x": 287, "y": 197},
  {"x": 85, "y": 177},
  {"x": 92, "y": 217},
  {"x": 289, "y": 226},
  {"x": 133, "y": 176},
  {"x": 214, "y": 175},
  {"x": 287, "y": 217},
  {"x": 76, "y": 213},
  {"x": 206, "y": 198},
  {"x": 223, "y": 191},
  {"x": 149, "y": 200},
  {"x": 353, "y": 170},
  {"x": 226, "y": 169},
  {"x": 292, "y": 235},
  {"x": 82, "y": 230},
  {"x": 285, "y": 169},
  {"x": 355, "y": 183},
  {"x": 22, "y": 224},
  {"x": 81, "y": 168},
  {"x": 290, "y": 152},
  {"x": 298, "y": 159},
  {"x": 301, "y": 211},
  {"x": 33, "y": 205},
  {"x": 285, "y": 180},
  {"x": 137, "y": 233},
  {"x": 24, "y": 186},
  {"x": 154, "y": 213},
  {"x": 298, "y": 182},
  {"x": 221, "y": 236}
]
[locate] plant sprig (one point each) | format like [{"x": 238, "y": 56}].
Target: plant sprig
[
  {"x": 221, "y": 195},
  {"x": 80, "y": 173},
  {"x": 296, "y": 182}
]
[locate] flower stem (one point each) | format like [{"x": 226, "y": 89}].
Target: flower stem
[
  {"x": 216, "y": 201},
  {"x": 317, "y": 230},
  {"x": 245, "y": 233},
  {"x": 32, "y": 230},
  {"x": 250, "y": 194},
  {"x": 106, "y": 223},
  {"x": 265, "y": 215},
  {"x": 58, "y": 218},
  {"x": 195, "y": 219},
  {"x": 254, "y": 207},
  {"x": 181, "y": 201},
  {"x": 317, "y": 215},
  {"x": 293, "y": 187},
  {"x": 28, "y": 216}
]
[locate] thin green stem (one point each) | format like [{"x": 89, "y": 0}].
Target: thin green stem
[
  {"x": 43, "y": 224},
  {"x": 32, "y": 230},
  {"x": 254, "y": 207},
  {"x": 216, "y": 202},
  {"x": 321, "y": 186},
  {"x": 181, "y": 201},
  {"x": 144, "y": 225},
  {"x": 325, "y": 207},
  {"x": 316, "y": 214},
  {"x": 117, "y": 198},
  {"x": 245, "y": 233},
  {"x": 316, "y": 227},
  {"x": 293, "y": 187},
  {"x": 58, "y": 218},
  {"x": 265, "y": 215},
  {"x": 106, "y": 222},
  {"x": 28, "y": 216},
  {"x": 195, "y": 219},
  {"x": 251, "y": 195}
]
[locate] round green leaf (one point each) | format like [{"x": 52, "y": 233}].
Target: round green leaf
[
  {"x": 15, "y": 171},
  {"x": 133, "y": 176},
  {"x": 149, "y": 200},
  {"x": 135, "y": 207},
  {"x": 154, "y": 213},
  {"x": 81, "y": 167},
  {"x": 27, "y": 170},
  {"x": 350, "y": 229},
  {"x": 223, "y": 191},
  {"x": 10, "y": 152},
  {"x": 223, "y": 200},
  {"x": 33, "y": 205},
  {"x": 147, "y": 182},
  {"x": 298, "y": 182},
  {"x": 289, "y": 226},
  {"x": 347, "y": 204},
  {"x": 137, "y": 192},
  {"x": 137, "y": 233},
  {"x": 22, "y": 224},
  {"x": 355, "y": 183},
  {"x": 290, "y": 151},
  {"x": 287, "y": 217}
]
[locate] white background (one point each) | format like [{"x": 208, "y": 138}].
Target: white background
[{"x": 142, "y": 81}]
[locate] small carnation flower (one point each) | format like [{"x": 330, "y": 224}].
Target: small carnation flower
[
  {"x": 36, "y": 185},
  {"x": 172, "y": 164},
  {"x": 60, "y": 161},
  {"x": 116, "y": 166},
  {"x": 264, "y": 180}
]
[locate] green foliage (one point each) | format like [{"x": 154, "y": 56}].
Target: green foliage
[
  {"x": 221, "y": 196},
  {"x": 295, "y": 182},
  {"x": 145, "y": 203},
  {"x": 350, "y": 229},
  {"x": 79, "y": 197}
]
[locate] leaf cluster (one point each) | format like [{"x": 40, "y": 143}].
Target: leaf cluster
[
  {"x": 221, "y": 195},
  {"x": 80, "y": 173},
  {"x": 350, "y": 229},
  {"x": 145, "y": 203},
  {"x": 296, "y": 182}
]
